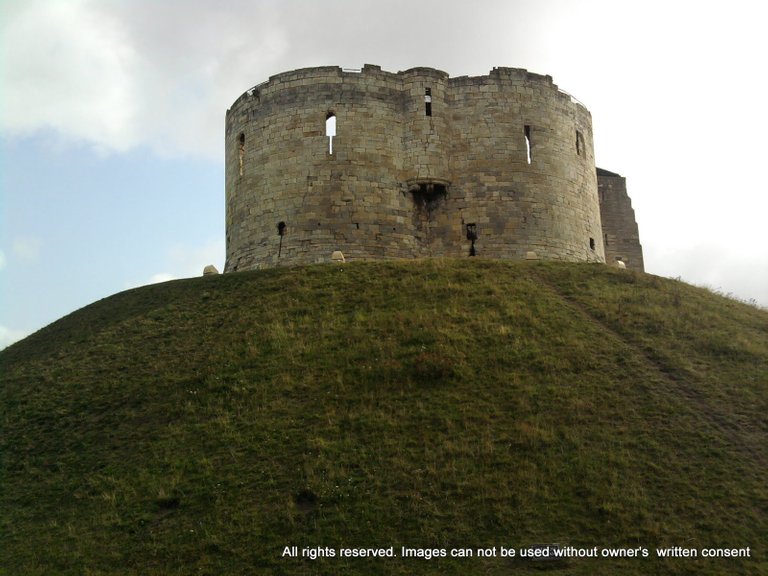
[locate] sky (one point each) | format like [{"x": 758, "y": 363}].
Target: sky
[{"x": 112, "y": 123}]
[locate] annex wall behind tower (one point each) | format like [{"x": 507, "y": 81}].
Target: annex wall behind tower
[
  {"x": 421, "y": 165},
  {"x": 621, "y": 237}
]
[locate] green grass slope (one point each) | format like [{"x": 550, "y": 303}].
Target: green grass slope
[{"x": 201, "y": 426}]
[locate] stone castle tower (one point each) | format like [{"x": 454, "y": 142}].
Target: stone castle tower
[{"x": 382, "y": 165}]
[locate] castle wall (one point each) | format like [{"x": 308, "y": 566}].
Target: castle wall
[
  {"x": 620, "y": 233},
  {"x": 417, "y": 158}
]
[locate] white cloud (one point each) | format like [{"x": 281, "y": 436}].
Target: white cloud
[
  {"x": 8, "y": 336},
  {"x": 27, "y": 248},
  {"x": 70, "y": 68},
  {"x": 120, "y": 73}
]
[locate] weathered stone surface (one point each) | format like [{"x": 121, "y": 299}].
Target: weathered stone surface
[
  {"x": 422, "y": 165},
  {"x": 620, "y": 234},
  {"x": 210, "y": 270},
  {"x": 337, "y": 256}
]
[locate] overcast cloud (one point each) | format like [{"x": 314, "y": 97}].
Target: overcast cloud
[{"x": 676, "y": 92}]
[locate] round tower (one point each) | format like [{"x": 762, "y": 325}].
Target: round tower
[{"x": 382, "y": 165}]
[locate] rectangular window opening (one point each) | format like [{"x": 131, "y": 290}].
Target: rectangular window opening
[
  {"x": 528, "y": 143},
  {"x": 428, "y": 101},
  {"x": 579, "y": 143},
  {"x": 591, "y": 243},
  {"x": 472, "y": 236},
  {"x": 330, "y": 129},
  {"x": 241, "y": 154}
]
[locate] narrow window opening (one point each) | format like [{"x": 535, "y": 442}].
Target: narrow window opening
[
  {"x": 241, "y": 154},
  {"x": 281, "y": 230},
  {"x": 605, "y": 239},
  {"x": 428, "y": 101},
  {"x": 591, "y": 243},
  {"x": 472, "y": 236},
  {"x": 579, "y": 143},
  {"x": 528, "y": 143},
  {"x": 330, "y": 129}
]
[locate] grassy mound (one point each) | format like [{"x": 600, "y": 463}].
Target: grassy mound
[{"x": 202, "y": 426}]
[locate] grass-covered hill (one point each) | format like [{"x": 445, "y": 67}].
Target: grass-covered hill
[{"x": 202, "y": 426}]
